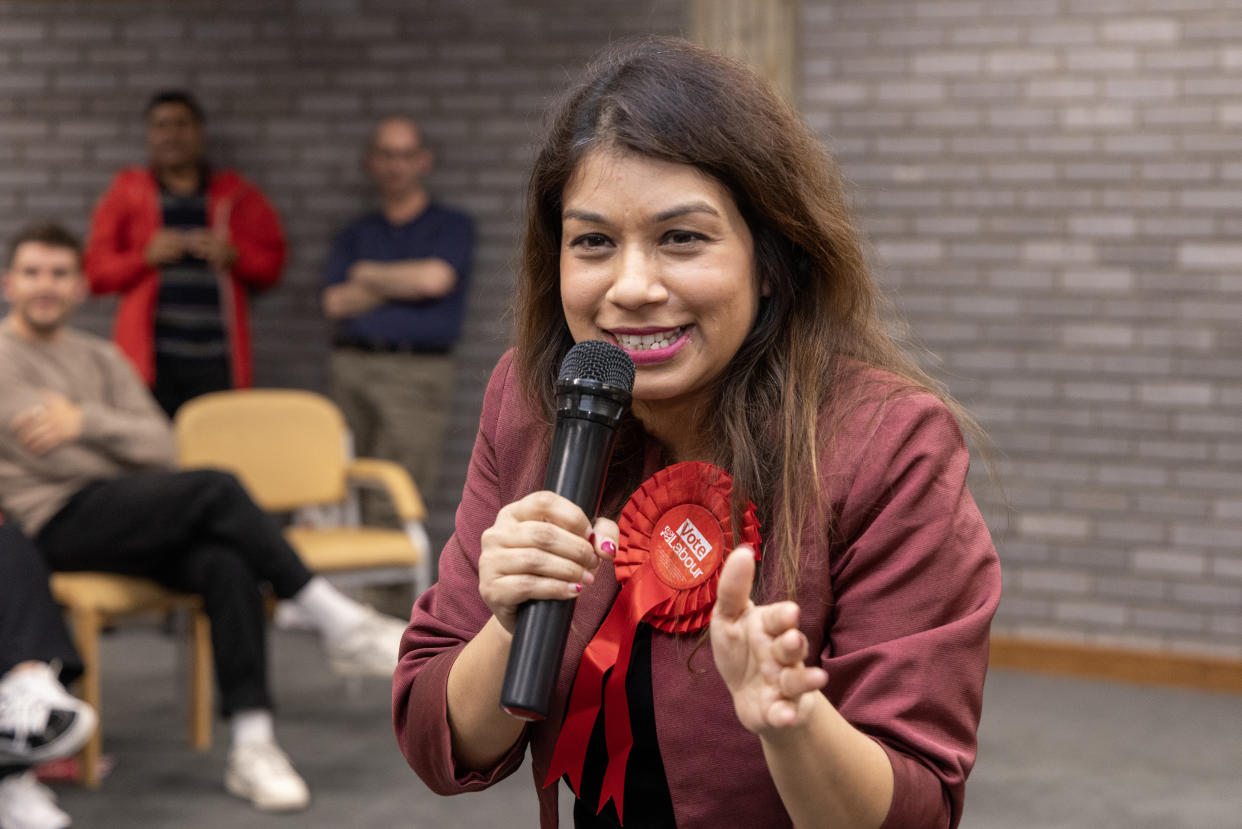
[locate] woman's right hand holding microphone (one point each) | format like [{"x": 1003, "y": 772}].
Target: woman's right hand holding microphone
[{"x": 540, "y": 547}]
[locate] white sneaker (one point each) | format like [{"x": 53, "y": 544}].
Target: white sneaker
[
  {"x": 39, "y": 719},
  {"x": 260, "y": 772},
  {"x": 369, "y": 648},
  {"x": 25, "y": 803}
]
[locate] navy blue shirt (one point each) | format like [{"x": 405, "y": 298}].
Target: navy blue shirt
[{"x": 440, "y": 232}]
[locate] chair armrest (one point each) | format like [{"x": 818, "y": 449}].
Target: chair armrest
[{"x": 393, "y": 478}]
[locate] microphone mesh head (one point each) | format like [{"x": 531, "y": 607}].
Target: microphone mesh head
[{"x": 599, "y": 361}]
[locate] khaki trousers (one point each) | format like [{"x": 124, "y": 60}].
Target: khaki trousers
[{"x": 398, "y": 407}]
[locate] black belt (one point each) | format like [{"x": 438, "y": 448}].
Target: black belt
[{"x": 389, "y": 347}]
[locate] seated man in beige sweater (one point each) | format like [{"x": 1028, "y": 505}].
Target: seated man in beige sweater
[{"x": 86, "y": 470}]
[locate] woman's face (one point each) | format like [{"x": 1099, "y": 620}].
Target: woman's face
[{"x": 656, "y": 258}]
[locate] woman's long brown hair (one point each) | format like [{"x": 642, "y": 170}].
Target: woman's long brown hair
[{"x": 667, "y": 99}]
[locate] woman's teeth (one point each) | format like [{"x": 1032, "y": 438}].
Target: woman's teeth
[{"x": 648, "y": 342}]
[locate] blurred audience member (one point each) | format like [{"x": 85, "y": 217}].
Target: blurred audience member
[
  {"x": 85, "y": 470},
  {"x": 39, "y": 720},
  {"x": 183, "y": 244},
  {"x": 396, "y": 286}
]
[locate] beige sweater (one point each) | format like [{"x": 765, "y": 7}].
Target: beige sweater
[{"x": 123, "y": 429}]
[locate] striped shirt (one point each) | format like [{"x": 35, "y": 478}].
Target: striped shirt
[{"x": 189, "y": 322}]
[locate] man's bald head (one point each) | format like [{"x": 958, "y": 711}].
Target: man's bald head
[{"x": 397, "y": 159}]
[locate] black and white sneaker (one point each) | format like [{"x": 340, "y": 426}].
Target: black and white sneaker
[{"x": 39, "y": 719}]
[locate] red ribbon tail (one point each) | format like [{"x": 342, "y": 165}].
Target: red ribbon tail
[
  {"x": 584, "y": 699},
  {"x": 648, "y": 593}
]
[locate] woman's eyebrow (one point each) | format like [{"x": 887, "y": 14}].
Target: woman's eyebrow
[
  {"x": 584, "y": 216},
  {"x": 662, "y": 216},
  {"x": 682, "y": 210}
]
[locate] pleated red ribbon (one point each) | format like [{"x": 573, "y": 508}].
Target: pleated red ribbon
[{"x": 675, "y": 532}]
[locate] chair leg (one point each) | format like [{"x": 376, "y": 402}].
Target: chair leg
[
  {"x": 86, "y": 627},
  {"x": 200, "y": 681}
]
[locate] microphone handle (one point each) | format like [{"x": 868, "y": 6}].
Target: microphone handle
[{"x": 581, "y": 449}]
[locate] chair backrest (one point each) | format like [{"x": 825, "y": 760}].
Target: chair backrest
[{"x": 288, "y": 447}]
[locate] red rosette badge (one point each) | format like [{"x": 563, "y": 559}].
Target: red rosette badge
[{"x": 675, "y": 532}]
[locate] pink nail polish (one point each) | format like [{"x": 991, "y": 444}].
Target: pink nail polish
[
  {"x": 608, "y": 547},
  {"x": 591, "y": 538},
  {"x": 577, "y": 588}
]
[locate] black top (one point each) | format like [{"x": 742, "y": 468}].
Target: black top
[{"x": 648, "y": 804}]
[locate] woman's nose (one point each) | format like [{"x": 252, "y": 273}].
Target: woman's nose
[{"x": 636, "y": 280}]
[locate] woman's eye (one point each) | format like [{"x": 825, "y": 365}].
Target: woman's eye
[
  {"x": 682, "y": 237},
  {"x": 590, "y": 241}
]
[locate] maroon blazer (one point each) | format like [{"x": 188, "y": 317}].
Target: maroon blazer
[{"x": 896, "y": 605}]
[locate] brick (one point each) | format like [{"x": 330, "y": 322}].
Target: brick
[
  {"x": 910, "y": 91},
  {"x": 1218, "y": 595},
  {"x": 1015, "y": 61},
  {"x": 1229, "y": 568},
  {"x": 1146, "y": 144},
  {"x": 1058, "y": 252},
  {"x": 1062, "y": 88},
  {"x": 1055, "y": 581},
  {"x": 947, "y": 63},
  {"x": 1140, "y": 88},
  {"x": 1211, "y": 199},
  {"x": 1209, "y": 255},
  {"x": 1141, "y": 30},
  {"x": 1173, "y": 393},
  {"x": 1093, "y": 612},
  {"x": 1053, "y": 525},
  {"x": 1101, "y": 60},
  {"x": 1170, "y": 563},
  {"x": 1098, "y": 391},
  {"x": 1179, "y": 114},
  {"x": 1099, "y": 335},
  {"x": 911, "y": 38},
  {"x": 1161, "y": 619},
  {"x": 1098, "y": 116},
  {"x": 987, "y": 34},
  {"x": 1063, "y": 34},
  {"x": 1201, "y": 535},
  {"x": 1102, "y": 224}
]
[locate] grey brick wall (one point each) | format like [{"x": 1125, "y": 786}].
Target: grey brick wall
[
  {"x": 291, "y": 89},
  {"x": 1052, "y": 192},
  {"x": 1052, "y": 188}
]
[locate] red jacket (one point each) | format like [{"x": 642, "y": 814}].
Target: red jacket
[
  {"x": 897, "y": 608},
  {"x": 126, "y": 218}
]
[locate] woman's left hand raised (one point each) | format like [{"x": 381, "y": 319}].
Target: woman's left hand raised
[{"x": 760, "y": 652}]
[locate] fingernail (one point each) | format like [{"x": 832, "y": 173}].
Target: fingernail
[
  {"x": 591, "y": 538},
  {"x": 575, "y": 588},
  {"x": 608, "y": 547},
  {"x": 588, "y": 577}
]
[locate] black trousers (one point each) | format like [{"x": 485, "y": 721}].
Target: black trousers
[
  {"x": 178, "y": 379},
  {"x": 31, "y": 625},
  {"x": 194, "y": 531}
]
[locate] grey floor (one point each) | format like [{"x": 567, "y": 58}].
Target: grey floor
[{"x": 1055, "y": 753}]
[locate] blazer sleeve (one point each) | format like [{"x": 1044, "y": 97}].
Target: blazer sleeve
[
  {"x": 915, "y": 587},
  {"x": 113, "y": 259},
  {"x": 446, "y": 617},
  {"x": 255, "y": 231}
]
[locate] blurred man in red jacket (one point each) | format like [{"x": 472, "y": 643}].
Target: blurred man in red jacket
[{"x": 183, "y": 244}]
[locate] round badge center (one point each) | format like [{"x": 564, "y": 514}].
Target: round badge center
[{"x": 687, "y": 546}]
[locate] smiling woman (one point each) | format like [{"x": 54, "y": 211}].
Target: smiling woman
[
  {"x": 657, "y": 259},
  {"x": 681, "y": 210}
]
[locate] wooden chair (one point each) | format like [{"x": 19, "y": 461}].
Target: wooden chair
[
  {"x": 292, "y": 450},
  {"x": 94, "y": 600}
]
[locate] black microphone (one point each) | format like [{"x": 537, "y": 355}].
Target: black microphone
[{"x": 592, "y": 394}]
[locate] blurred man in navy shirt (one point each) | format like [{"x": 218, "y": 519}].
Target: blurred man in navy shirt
[{"x": 396, "y": 286}]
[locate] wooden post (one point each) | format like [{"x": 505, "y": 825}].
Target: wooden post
[{"x": 763, "y": 33}]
